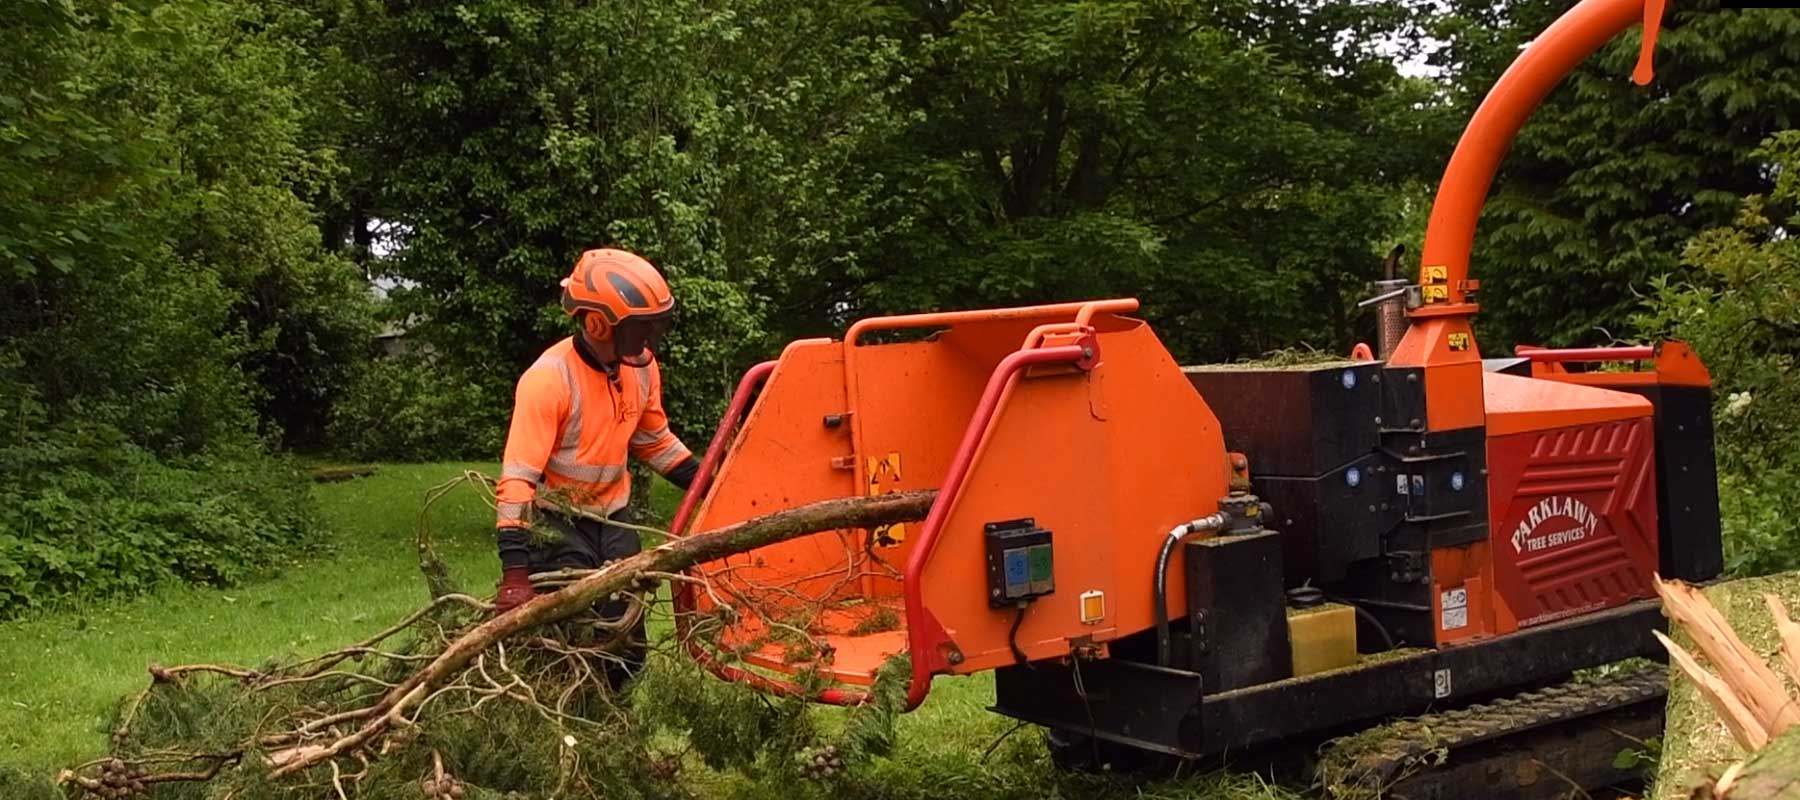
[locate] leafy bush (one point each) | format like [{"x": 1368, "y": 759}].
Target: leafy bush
[
  {"x": 1762, "y": 535},
  {"x": 89, "y": 514},
  {"x": 412, "y": 408},
  {"x": 1742, "y": 315}
]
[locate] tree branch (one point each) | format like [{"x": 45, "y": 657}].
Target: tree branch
[{"x": 620, "y": 576}]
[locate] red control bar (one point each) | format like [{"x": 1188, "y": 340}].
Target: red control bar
[{"x": 1569, "y": 354}]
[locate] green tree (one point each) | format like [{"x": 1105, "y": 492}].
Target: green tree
[
  {"x": 513, "y": 135},
  {"x": 100, "y": 327},
  {"x": 1739, "y": 307},
  {"x": 1608, "y": 179},
  {"x": 794, "y": 165},
  {"x": 169, "y": 303},
  {"x": 1236, "y": 166},
  {"x": 168, "y": 275}
]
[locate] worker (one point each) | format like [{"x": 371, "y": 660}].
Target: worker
[{"x": 580, "y": 409}]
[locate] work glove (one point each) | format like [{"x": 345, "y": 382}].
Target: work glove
[{"x": 514, "y": 589}]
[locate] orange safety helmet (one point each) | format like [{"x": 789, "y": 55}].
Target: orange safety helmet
[{"x": 628, "y": 298}]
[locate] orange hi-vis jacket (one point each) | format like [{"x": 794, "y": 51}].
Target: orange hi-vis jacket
[{"x": 573, "y": 426}]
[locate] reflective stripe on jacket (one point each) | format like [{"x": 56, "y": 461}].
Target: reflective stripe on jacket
[{"x": 572, "y": 429}]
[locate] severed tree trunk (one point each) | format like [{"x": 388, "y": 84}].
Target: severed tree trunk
[
  {"x": 1772, "y": 774},
  {"x": 624, "y": 575},
  {"x": 1759, "y": 706}
]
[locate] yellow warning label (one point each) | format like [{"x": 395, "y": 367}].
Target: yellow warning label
[
  {"x": 1459, "y": 341},
  {"x": 884, "y": 475},
  {"x": 1435, "y": 294},
  {"x": 1437, "y": 274}
]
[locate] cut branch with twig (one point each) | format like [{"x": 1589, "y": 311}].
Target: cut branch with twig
[
  {"x": 621, "y": 576},
  {"x": 322, "y": 712}
]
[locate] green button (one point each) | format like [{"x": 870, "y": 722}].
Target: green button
[{"x": 1043, "y": 570}]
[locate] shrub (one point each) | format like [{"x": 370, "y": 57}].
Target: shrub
[
  {"x": 1741, "y": 313},
  {"x": 1762, "y": 535},
  {"x": 90, "y": 515},
  {"x": 411, "y": 408}
]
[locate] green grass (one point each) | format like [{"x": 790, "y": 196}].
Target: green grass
[
  {"x": 954, "y": 746},
  {"x": 62, "y": 673}
]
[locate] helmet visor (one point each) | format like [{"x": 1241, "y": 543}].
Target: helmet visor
[{"x": 638, "y": 337}]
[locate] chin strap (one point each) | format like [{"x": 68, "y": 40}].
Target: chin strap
[{"x": 588, "y": 356}]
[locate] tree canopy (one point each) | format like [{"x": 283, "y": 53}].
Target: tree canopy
[
  {"x": 201, "y": 198},
  {"x": 795, "y": 165},
  {"x": 1608, "y": 179}
]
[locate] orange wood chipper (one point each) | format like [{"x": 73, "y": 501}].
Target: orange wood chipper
[{"x": 1201, "y": 559}]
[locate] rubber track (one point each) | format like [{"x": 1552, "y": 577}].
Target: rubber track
[{"x": 1365, "y": 764}]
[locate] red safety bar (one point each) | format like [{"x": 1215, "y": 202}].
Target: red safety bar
[
  {"x": 1574, "y": 354},
  {"x": 721, "y": 441},
  {"x": 833, "y": 696},
  {"x": 1084, "y": 311},
  {"x": 922, "y": 643}
]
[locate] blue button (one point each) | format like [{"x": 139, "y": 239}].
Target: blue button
[{"x": 1018, "y": 572}]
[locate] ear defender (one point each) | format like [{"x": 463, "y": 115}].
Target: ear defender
[{"x": 595, "y": 325}]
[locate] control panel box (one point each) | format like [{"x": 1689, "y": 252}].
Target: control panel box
[{"x": 1021, "y": 566}]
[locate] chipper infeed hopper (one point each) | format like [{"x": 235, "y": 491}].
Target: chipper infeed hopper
[{"x": 1063, "y": 442}]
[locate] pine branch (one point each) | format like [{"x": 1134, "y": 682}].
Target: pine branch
[{"x": 621, "y": 576}]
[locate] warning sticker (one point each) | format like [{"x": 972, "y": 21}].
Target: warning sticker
[
  {"x": 1436, "y": 294},
  {"x": 1459, "y": 341},
  {"x": 884, "y": 474},
  {"x": 1437, "y": 274},
  {"x": 1455, "y": 607},
  {"x": 1456, "y": 618}
]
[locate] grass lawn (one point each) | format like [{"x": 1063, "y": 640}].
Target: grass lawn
[{"x": 62, "y": 673}]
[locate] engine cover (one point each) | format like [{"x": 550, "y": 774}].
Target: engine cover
[{"x": 1573, "y": 519}]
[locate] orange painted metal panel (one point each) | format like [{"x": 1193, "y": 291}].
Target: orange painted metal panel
[
  {"x": 1107, "y": 450},
  {"x": 1516, "y": 404},
  {"x": 1463, "y": 578},
  {"x": 783, "y": 458},
  {"x": 1445, "y": 348},
  {"x": 1678, "y": 365},
  {"x": 1108, "y": 461}
]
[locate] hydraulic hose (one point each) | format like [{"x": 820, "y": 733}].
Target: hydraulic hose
[{"x": 1211, "y": 522}]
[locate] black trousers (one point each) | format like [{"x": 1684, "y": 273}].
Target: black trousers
[{"x": 588, "y": 544}]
